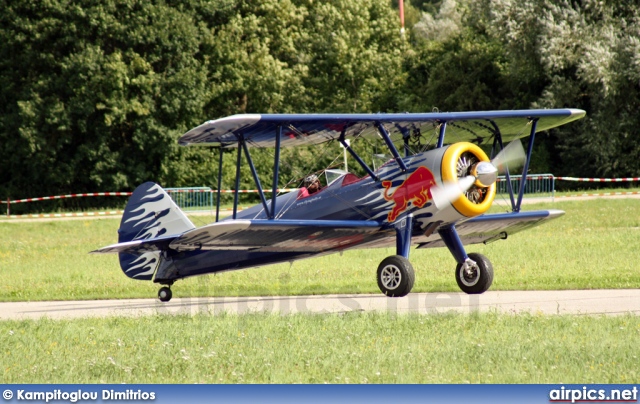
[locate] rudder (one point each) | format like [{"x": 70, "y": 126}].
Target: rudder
[{"x": 150, "y": 213}]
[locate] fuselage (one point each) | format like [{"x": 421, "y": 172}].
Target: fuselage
[{"x": 394, "y": 196}]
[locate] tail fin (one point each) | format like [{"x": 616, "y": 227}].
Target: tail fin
[{"x": 150, "y": 213}]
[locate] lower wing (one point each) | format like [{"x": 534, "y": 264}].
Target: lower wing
[
  {"x": 279, "y": 235},
  {"x": 265, "y": 235},
  {"x": 488, "y": 228}
]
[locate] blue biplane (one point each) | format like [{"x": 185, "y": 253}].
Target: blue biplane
[{"x": 436, "y": 196}]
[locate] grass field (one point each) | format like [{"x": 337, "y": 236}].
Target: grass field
[
  {"x": 593, "y": 246},
  {"x": 352, "y": 348}
]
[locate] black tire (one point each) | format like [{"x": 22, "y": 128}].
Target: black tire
[
  {"x": 164, "y": 294},
  {"x": 481, "y": 280},
  {"x": 395, "y": 276}
]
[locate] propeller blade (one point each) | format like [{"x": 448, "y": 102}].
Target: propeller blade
[
  {"x": 450, "y": 191},
  {"x": 513, "y": 156}
]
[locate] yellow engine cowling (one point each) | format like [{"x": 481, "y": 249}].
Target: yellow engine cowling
[{"x": 457, "y": 162}]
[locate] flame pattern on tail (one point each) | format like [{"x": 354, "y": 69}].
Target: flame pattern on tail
[{"x": 149, "y": 213}]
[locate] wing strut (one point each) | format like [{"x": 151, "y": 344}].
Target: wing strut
[
  {"x": 405, "y": 139},
  {"x": 237, "y": 184},
  {"x": 219, "y": 184},
  {"x": 355, "y": 155},
  {"x": 387, "y": 139},
  {"x": 443, "y": 129},
  {"x": 276, "y": 173},
  {"x": 256, "y": 179},
  {"x": 532, "y": 137}
]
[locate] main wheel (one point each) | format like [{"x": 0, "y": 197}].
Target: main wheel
[
  {"x": 475, "y": 279},
  {"x": 395, "y": 276},
  {"x": 164, "y": 294}
]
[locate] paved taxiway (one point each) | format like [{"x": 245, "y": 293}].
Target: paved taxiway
[{"x": 582, "y": 302}]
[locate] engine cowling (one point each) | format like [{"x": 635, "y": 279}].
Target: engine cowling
[{"x": 459, "y": 161}]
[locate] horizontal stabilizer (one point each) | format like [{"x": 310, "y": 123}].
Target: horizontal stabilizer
[
  {"x": 492, "y": 227},
  {"x": 137, "y": 246}
]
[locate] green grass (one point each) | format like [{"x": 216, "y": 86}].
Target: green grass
[
  {"x": 592, "y": 246},
  {"x": 352, "y": 348}
]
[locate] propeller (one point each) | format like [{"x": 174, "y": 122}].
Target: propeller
[
  {"x": 451, "y": 190},
  {"x": 513, "y": 155},
  {"x": 484, "y": 173}
]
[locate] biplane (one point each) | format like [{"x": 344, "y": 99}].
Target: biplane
[{"x": 435, "y": 196}]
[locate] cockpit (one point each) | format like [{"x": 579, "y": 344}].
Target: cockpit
[
  {"x": 340, "y": 178},
  {"x": 334, "y": 179}
]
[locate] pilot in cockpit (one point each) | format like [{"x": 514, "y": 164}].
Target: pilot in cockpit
[{"x": 312, "y": 183}]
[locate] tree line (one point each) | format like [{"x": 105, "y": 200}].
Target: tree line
[{"x": 94, "y": 94}]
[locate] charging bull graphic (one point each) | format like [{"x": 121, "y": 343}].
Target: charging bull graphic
[{"x": 416, "y": 188}]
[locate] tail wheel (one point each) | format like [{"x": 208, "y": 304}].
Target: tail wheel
[
  {"x": 475, "y": 275},
  {"x": 164, "y": 294},
  {"x": 395, "y": 276}
]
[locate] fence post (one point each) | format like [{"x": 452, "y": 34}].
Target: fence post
[{"x": 8, "y": 206}]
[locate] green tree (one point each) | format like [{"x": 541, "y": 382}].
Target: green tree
[
  {"x": 353, "y": 54},
  {"x": 102, "y": 92},
  {"x": 588, "y": 54}
]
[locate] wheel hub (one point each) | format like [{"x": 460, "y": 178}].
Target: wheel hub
[
  {"x": 391, "y": 277},
  {"x": 469, "y": 272}
]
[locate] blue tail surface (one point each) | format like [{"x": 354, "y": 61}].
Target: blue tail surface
[{"x": 150, "y": 213}]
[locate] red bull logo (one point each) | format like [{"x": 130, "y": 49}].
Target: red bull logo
[{"x": 416, "y": 188}]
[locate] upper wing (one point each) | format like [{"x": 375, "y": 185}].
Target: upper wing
[
  {"x": 487, "y": 228},
  {"x": 279, "y": 235},
  {"x": 307, "y": 129}
]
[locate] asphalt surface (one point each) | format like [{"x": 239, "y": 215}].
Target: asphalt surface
[{"x": 580, "y": 302}]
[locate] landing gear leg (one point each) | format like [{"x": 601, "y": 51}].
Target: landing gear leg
[
  {"x": 474, "y": 272},
  {"x": 395, "y": 273}
]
